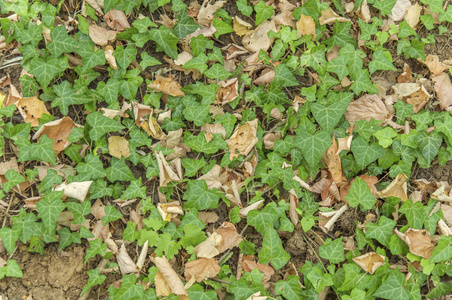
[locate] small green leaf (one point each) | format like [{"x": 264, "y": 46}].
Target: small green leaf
[
  {"x": 192, "y": 166},
  {"x": 272, "y": 250},
  {"x": 442, "y": 251},
  {"x": 100, "y": 125},
  {"x": 385, "y": 6},
  {"x": 199, "y": 144},
  {"x": 217, "y": 71},
  {"x": 393, "y": 287},
  {"x": 95, "y": 278},
  {"x": 119, "y": 170},
  {"x": 49, "y": 209},
  {"x": 199, "y": 196},
  {"x": 364, "y": 153},
  {"x": 9, "y": 238},
  {"x": 382, "y": 231},
  {"x": 263, "y": 12},
  {"x": 382, "y": 60},
  {"x": 46, "y": 70},
  {"x": 332, "y": 250},
  {"x": 184, "y": 26},
  {"x": 95, "y": 247},
  {"x": 112, "y": 214},
  {"x": 360, "y": 194},
  {"x": 13, "y": 178},
  {"x": 313, "y": 146}
]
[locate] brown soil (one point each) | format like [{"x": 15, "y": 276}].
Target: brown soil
[{"x": 434, "y": 174}]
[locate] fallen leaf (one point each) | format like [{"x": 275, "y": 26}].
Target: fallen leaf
[
  {"x": 443, "y": 88},
  {"x": 418, "y": 241},
  {"x": 333, "y": 161},
  {"x": 77, "y": 190},
  {"x": 208, "y": 217},
  {"x": 248, "y": 265},
  {"x": 228, "y": 91},
  {"x": 5, "y": 81},
  {"x": 32, "y": 109},
  {"x": 207, "y": 11},
  {"x": 364, "y": 11},
  {"x": 230, "y": 237},
  {"x": 213, "y": 178},
  {"x": 162, "y": 289},
  {"x": 96, "y": 4},
  {"x": 166, "y": 21},
  {"x": 241, "y": 27},
  {"x": 109, "y": 57},
  {"x": 330, "y": 17},
  {"x": 413, "y": 14},
  {"x": 171, "y": 277},
  {"x": 126, "y": 264},
  {"x": 167, "y": 86},
  {"x": 344, "y": 144},
  {"x": 266, "y": 77},
  {"x": 285, "y": 18},
  {"x": 399, "y": 10},
  {"x": 255, "y": 296},
  {"x": 257, "y": 39},
  {"x": 201, "y": 269},
  {"x": 215, "y": 128},
  {"x": 270, "y": 138},
  {"x": 434, "y": 65},
  {"x": 418, "y": 99},
  {"x": 208, "y": 248},
  {"x": 243, "y": 139},
  {"x": 58, "y": 131},
  {"x": 405, "y": 89},
  {"x": 370, "y": 262},
  {"x": 365, "y": 108},
  {"x": 447, "y": 212},
  {"x": 118, "y": 146},
  {"x": 8, "y": 165},
  {"x": 370, "y": 181},
  {"x": 182, "y": 58},
  {"x": 406, "y": 76},
  {"x": 306, "y": 26},
  {"x": 397, "y": 188},
  {"x": 98, "y": 210},
  {"x": 293, "y": 201},
  {"x": 169, "y": 210},
  {"x": 116, "y": 20},
  {"x": 101, "y": 36},
  {"x": 166, "y": 173}
]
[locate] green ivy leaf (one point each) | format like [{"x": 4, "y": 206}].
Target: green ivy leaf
[
  {"x": 199, "y": 196},
  {"x": 442, "y": 289},
  {"x": 95, "y": 278},
  {"x": 134, "y": 190},
  {"x": 46, "y": 70},
  {"x": 95, "y": 247},
  {"x": 9, "y": 238},
  {"x": 313, "y": 146},
  {"x": 272, "y": 250},
  {"x": 414, "y": 212},
  {"x": 192, "y": 166},
  {"x": 217, "y": 71},
  {"x": 111, "y": 214},
  {"x": 382, "y": 231},
  {"x": 61, "y": 42},
  {"x": 360, "y": 194},
  {"x": 198, "y": 62},
  {"x": 92, "y": 168},
  {"x": 199, "y": 144},
  {"x": 67, "y": 238},
  {"x": 364, "y": 153},
  {"x": 119, "y": 171},
  {"x": 263, "y": 12},
  {"x": 382, "y": 60},
  {"x": 166, "y": 41},
  {"x": 67, "y": 96},
  {"x": 49, "y": 209},
  {"x": 442, "y": 251},
  {"x": 125, "y": 56},
  {"x": 244, "y": 8},
  {"x": 196, "y": 291},
  {"x": 184, "y": 26},
  {"x": 328, "y": 116},
  {"x": 290, "y": 288},
  {"x": 100, "y": 125},
  {"x": 13, "y": 178},
  {"x": 332, "y": 250},
  {"x": 13, "y": 269},
  {"x": 393, "y": 286},
  {"x": 385, "y": 6},
  {"x": 38, "y": 151}
]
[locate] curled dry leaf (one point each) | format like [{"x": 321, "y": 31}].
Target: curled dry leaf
[
  {"x": 57, "y": 130},
  {"x": 443, "y": 88},
  {"x": 255, "y": 205},
  {"x": 126, "y": 264},
  {"x": 182, "y": 58},
  {"x": 167, "y": 86},
  {"x": 118, "y": 146},
  {"x": 140, "y": 111},
  {"x": 116, "y": 20},
  {"x": 399, "y": 10},
  {"x": 418, "y": 99},
  {"x": 248, "y": 265},
  {"x": 98, "y": 210},
  {"x": 208, "y": 248},
  {"x": 406, "y": 76},
  {"x": 162, "y": 288},
  {"x": 343, "y": 144},
  {"x": 169, "y": 210},
  {"x": 166, "y": 21},
  {"x": 228, "y": 91},
  {"x": 333, "y": 161},
  {"x": 257, "y": 296},
  {"x": 9, "y": 164},
  {"x": 213, "y": 178},
  {"x": 166, "y": 173},
  {"x": 230, "y": 237},
  {"x": 397, "y": 188},
  {"x": 306, "y": 26},
  {"x": 207, "y": 11},
  {"x": 293, "y": 200},
  {"x": 241, "y": 27},
  {"x": 365, "y": 108},
  {"x": 32, "y": 109},
  {"x": 285, "y": 18},
  {"x": 258, "y": 39},
  {"x": 201, "y": 269},
  {"x": 330, "y": 17},
  {"x": 364, "y": 11},
  {"x": 5, "y": 81},
  {"x": 434, "y": 65},
  {"x": 170, "y": 276},
  {"x": 101, "y": 36},
  {"x": 208, "y": 217},
  {"x": 77, "y": 190},
  {"x": 243, "y": 139},
  {"x": 97, "y": 5},
  {"x": 270, "y": 138},
  {"x": 108, "y": 51},
  {"x": 447, "y": 212},
  {"x": 370, "y": 262},
  {"x": 216, "y": 128},
  {"x": 418, "y": 241}
]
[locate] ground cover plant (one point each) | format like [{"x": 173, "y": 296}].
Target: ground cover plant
[{"x": 225, "y": 149}]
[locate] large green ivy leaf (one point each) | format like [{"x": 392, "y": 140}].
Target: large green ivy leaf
[
  {"x": 442, "y": 289},
  {"x": 25, "y": 225},
  {"x": 263, "y": 12},
  {"x": 329, "y": 115},
  {"x": 95, "y": 278},
  {"x": 199, "y": 196},
  {"x": 129, "y": 289},
  {"x": 92, "y": 168},
  {"x": 382, "y": 231},
  {"x": 61, "y": 42},
  {"x": 382, "y": 60},
  {"x": 364, "y": 153},
  {"x": 125, "y": 56},
  {"x": 362, "y": 83},
  {"x": 429, "y": 145},
  {"x": 385, "y": 6},
  {"x": 442, "y": 251},
  {"x": 393, "y": 287},
  {"x": 79, "y": 210},
  {"x": 67, "y": 95},
  {"x": 119, "y": 170},
  {"x": 415, "y": 213},
  {"x": 360, "y": 194},
  {"x": 272, "y": 250},
  {"x": 195, "y": 111},
  {"x": 313, "y": 146},
  {"x": 135, "y": 190},
  {"x": 9, "y": 238},
  {"x": 111, "y": 214},
  {"x": 260, "y": 220},
  {"x": 13, "y": 178},
  {"x": 199, "y": 143},
  {"x": 191, "y": 166},
  {"x": 90, "y": 57},
  {"x": 166, "y": 41},
  {"x": 184, "y": 26},
  {"x": 290, "y": 288},
  {"x": 332, "y": 250},
  {"x": 37, "y": 151},
  {"x": 100, "y": 125},
  {"x": 49, "y": 209},
  {"x": 46, "y": 70}
]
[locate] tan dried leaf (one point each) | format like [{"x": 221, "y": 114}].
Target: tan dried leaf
[
  {"x": 399, "y": 10},
  {"x": 208, "y": 248},
  {"x": 241, "y": 27},
  {"x": 243, "y": 139},
  {"x": 116, "y": 20},
  {"x": 443, "y": 88},
  {"x": 248, "y": 265},
  {"x": 370, "y": 262},
  {"x": 285, "y": 18},
  {"x": 101, "y": 36},
  {"x": 201, "y": 269},
  {"x": 447, "y": 212},
  {"x": 9, "y": 164},
  {"x": 216, "y": 128},
  {"x": 166, "y": 173},
  {"x": 228, "y": 91},
  {"x": 182, "y": 58},
  {"x": 126, "y": 264},
  {"x": 32, "y": 109},
  {"x": 330, "y": 17},
  {"x": 167, "y": 86},
  {"x": 57, "y": 130},
  {"x": 406, "y": 76},
  {"x": 208, "y": 217},
  {"x": 118, "y": 146},
  {"x": 413, "y": 14},
  {"x": 344, "y": 144},
  {"x": 109, "y": 57},
  {"x": 77, "y": 190},
  {"x": 230, "y": 237},
  {"x": 207, "y": 11},
  {"x": 434, "y": 65},
  {"x": 270, "y": 138},
  {"x": 266, "y": 77},
  {"x": 213, "y": 178},
  {"x": 333, "y": 161},
  {"x": 418, "y": 241},
  {"x": 418, "y": 99},
  {"x": 258, "y": 39},
  {"x": 171, "y": 277},
  {"x": 397, "y": 188},
  {"x": 293, "y": 201},
  {"x": 306, "y": 26},
  {"x": 162, "y": 289},
  {"x": 365, "y": 108},
  {"x": 97, "y": 5}
]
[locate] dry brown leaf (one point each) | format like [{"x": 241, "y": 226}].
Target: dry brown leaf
[
  {"x": 32, "y": 109},
  {"x": 153, "y": 128},
  {"x": 5, "y": 81},
  {"x": 140, "y": 111},
  {"x": 443, "y": 88},
  {"x": 213, "y": 178},
  {"x": 201, "y": 269},
  {"x": 399, "y": 10},
  {"x": 182, "y": 58},
  {"x": 418, "y": 241},
  {"x": 418, "y": 99},
  {"x": 406, "y": 76},
  {"x": 109, "y": 57},
  {"x": 285, "y": 18},
  {"x": 230, "y": 237},
  {"x": 364, "y": 11},
  {"x": 208, "y": 248},
  {"x": 8, "y": 165},
  {"x": 208, "y": 217},
  {"x": 333, "y": 161},
  {"x": 293, "y": 201},
  {"x": 228, "y": 91},
  {"x": 270, "y": 138},
  {"x": 171, "y": 277},
  {"x": 98, "y": 210},
  {"x": 330, "y": 17},
  {"x": 413, "y": 14},
  {"x": 101, "y": 36},
  {"x": 243, "y": 139},
  {"x": 397, "y": 188},
  {"x": 257, "y": 39},
  {"x": 216, "y": 128},
  {"x": 77, "y": 190},
  {"x": 365, "y": 108},
  {"x": 162, "y": 289},
  {"x": 97, "y": 5},
  {"x": 266, "y": 77},
  {"x": 166, "y": 21},
  {"x": 57, "y": 130},
  {"x": 207, "y": 11},
  {"x": 241, "y": 27},
  {"x": 166, "y": 173},
  {"x": 447, "y": 212},
  {"x": 118, "y": 146},
  {"x": 248, "y": 265},
  {"x": 370, "y": 262},
  {"x": 434, "y": 65},
  {"x": 344, "y": 144},
  {"x": 167, "y": 86},
  {"x": 116, "y": 20},
  {"x": 306, "y": 26},
  {"x": 169, "y": 210}
]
